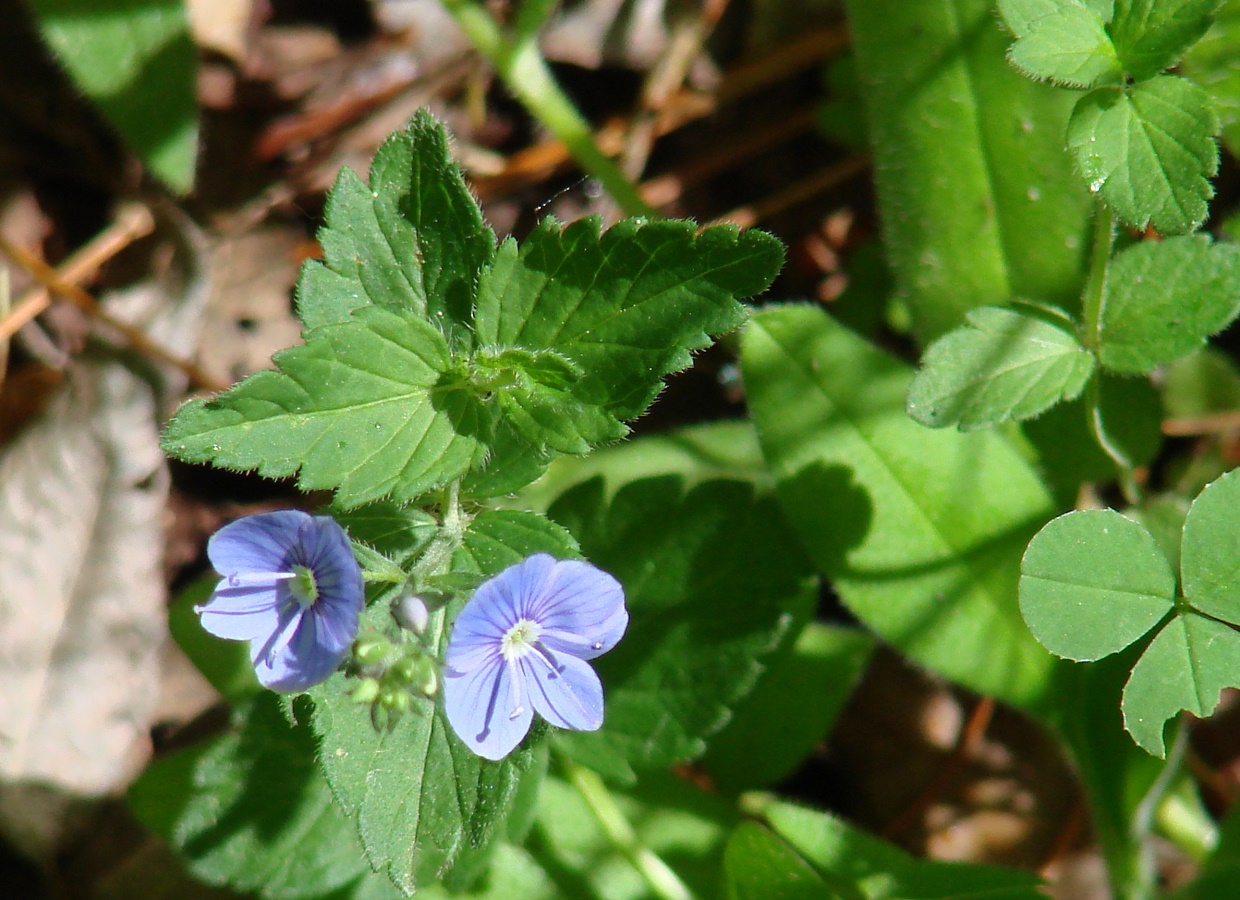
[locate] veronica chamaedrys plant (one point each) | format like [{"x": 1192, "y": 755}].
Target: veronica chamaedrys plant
[
  {"x": 292, "y": 588},
  {"x": 520, "y": 646}
]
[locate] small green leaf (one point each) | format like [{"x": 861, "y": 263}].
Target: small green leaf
[
  {"x": 1185, "y": 667},
  {"x": 757, "y": 865},
  {"x": 792, "y": 710},
  {"x": 920, "y": 532},
  {"x": 1021, "y": 15},
  {"x": 1152, "y": 35},
  {"x": 1069, "y": 46},
  {"x": 1209, "y": 561},
  {"x": 422, "y": 801},
  {"x": 137, "y": 63},
  {"x": 1149, "y": 152},
  {"x": 1204, "y": 383},
  {"x": 1164, "y": 298},
  {"x": 626, "y": 307},
  {"x": 413, "y": 238},
  {"x": 712, "y": 578},
  {"x": 367, "y": 407},
  {"x": 1092, "y": 582},
  {"x": 249, "y": 810},
  {"x": 1214, "y": 63},
  {"x": 1001, "y": 364}
]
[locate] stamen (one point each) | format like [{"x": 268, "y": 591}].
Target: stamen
[{"x": 258, "y": 579}]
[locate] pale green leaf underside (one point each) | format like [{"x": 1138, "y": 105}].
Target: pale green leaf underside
[
  {"x": 1151, "y": 35},
  {"x": 137, "y": 63},
  {"x": 1069, "y": 46},
  {"x": 1210, "y": 553},
  {"x": 420, "y": 797},
  {"x": 1092, "y": 582},
  {"x": 628, "y": 305},
  {"x": 1148, "y": 151},
  {"x": 1185, "y": 667},
  {"x": 363, "y": 407},
  {"x": 1164, "y": 298},
  {"x": 920, "y": 531},
  {"x": 1000, "y": 365}
]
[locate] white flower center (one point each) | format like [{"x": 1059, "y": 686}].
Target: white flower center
[
  {"x": 303, "y": 587},
  {"x": 520, "y": 639}
]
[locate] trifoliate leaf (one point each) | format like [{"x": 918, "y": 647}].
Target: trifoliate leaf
[
  {"x": 1020, "y": 15},
  {"x": 367, "y": 407},
  {"x": 1148, "y": 151},
  {"x": 412, "y": 238},
  {"x": 1164, "y": 298},
  {"x": 1185, "y": 667},
  {"x": 1209, "y": 563},
  {"x": 1001, "y": 364},
  {"x": 422, "y": 801},
  {"x": 249, "y": 810},
  {"x": 711, "y": 579},
  {"x": 1069, "y": 46},
  {"x": 1092, "y": 582},
  {"x": 1151, "y": 35},
  {"x": 627, "y": 306}
]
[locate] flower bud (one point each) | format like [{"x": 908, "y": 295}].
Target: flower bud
[{"x": 411, "y": 613}]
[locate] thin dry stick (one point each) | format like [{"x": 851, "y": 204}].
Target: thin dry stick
[
  {"x": 972, "y": 733},
  {"x": 822, "y": 180},
  {"x": 135, "y": 337},
  {"x": 133, "y": 221},
  {"x": 1216, "y": 423}
]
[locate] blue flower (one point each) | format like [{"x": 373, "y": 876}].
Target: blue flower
[
  {"x": 520, "y": 646},
  {"x": 291, "y": 588}
]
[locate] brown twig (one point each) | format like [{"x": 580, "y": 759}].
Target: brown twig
[
  {"x": 133, "y": 221},
  {"x": 1216, "y": 423},
  {"x": 966, "y": 743},
  {"x": 822, "y": 180},
  {"x": 135, "y": 337}
]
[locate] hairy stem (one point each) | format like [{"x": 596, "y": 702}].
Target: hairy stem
[
  {"x": 663, "y": 882},
  {"x": 525, "y": 72}
]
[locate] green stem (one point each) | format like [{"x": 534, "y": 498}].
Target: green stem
[
  {"x": 1095, "y": 286},
  {"x": 525, "y": 72},
  {"x": 663, "y": 882}
]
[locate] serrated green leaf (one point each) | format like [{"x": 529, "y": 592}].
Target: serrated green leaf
[
  {"x": 249, "y": 810},
  {"x": 1092, "y": 582},
  {"x": 627, "y": 306},
  {"x": 792, "y": 709},
  {"x": 1149, "y": 151},
  {"x": 1209, "y": 561},
  {"x": 1164, "y": 298},
  {"x": 367, "y": 407},
  {"x": 711, "y": 579},
  {"x": 919, "y": 531},
  {"x": 976, "y": 194},
  {"x": 1214, "y": 63},
  {"x": 421, "y": 799},
  {"x": 1069, "y": 46},
  {"x": 1020, "y": 15},
  {"x": 533, "y": 390},
  {"x": 1186, "y": 666},
  {"x": 413, "y": 238},
  {"x": 880, "y": 870},
  {"x": 1151, "y": 35},
  {"x": 136, "y": 62},
  {"x": 1002, "y": 364}
]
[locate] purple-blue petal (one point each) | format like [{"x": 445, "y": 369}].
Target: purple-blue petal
[
  {"x": 264, "y": 542},
  {"x": 480, "y": 708},
  {"x": 582, "y": 610},
  {"x": 240, "y": 614},
  {"x": 292, "y": 648},
  {"x": 569, "y": 696}
]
